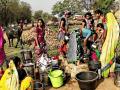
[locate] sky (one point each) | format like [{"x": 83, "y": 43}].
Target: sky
[{"x": 45, "y": 5}]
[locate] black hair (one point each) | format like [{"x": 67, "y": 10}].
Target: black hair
[
  {"x": 21, "y": 72},
  {"x": 43, "y": 23},
  {"x": 16, "y": 61},
  {"x": 98, "y": 11},
  {"x": 88, "y": 13},
  {"x": 64, "y": 21},
  {"x": 100, "y": 25},
  {"x": 69, "y": 13}
]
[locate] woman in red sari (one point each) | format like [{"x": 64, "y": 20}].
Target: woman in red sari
[
  {"x": 2, "y": 53},
  {"x": 40, "y": 44}
]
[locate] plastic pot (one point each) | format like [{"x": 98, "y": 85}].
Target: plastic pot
[{"x": 87, "y": 80}]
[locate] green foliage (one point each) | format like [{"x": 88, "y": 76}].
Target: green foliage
[
  {"x": 13, "y": 10},
  {"x": 25, "y": 11},
  {"x": 44, "y": 15},
  {"x": 38, "y": 14},
  {"x": 75, "y": 6},
  {"x": 103, "y": 5}
]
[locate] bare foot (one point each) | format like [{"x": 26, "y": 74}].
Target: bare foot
[{"x": 112, "y": 74}]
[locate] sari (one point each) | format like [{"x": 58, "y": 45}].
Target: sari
[
  {"x": 10, "y": 80},
  {"x": 109, "y": 46},
  {"x": 2, "y": 53}
]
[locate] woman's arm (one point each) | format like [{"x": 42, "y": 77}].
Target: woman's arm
[
  {"x": 61, "y": 24},
  {"x": 35, "y": 37}
]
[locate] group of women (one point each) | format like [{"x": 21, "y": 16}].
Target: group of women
[
  {"x": 91, "y": 29},
  {"x": 97, "y": 32}
]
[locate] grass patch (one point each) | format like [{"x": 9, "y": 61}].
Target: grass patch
[{"x": 53, "y": 52}]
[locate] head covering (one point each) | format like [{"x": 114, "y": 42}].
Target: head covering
[{"x": 9, "y": 80}]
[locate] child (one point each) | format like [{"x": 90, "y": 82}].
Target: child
[{"x": 63, "y": 47}]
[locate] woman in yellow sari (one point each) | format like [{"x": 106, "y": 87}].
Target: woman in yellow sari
[{"x": 108, "y": 49}]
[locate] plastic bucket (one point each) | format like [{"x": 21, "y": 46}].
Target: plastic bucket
[
  {"x": 87, "y": 80},
  {"x": 56, "y": 78}
]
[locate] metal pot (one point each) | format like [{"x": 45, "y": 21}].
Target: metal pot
[
  {"x": 26, "y": 54},
  {"x": 29, "y": 69},
  {"x": 94, "y": 65},
  {"x": 54, "y": 62},
  {"x": 37, "y": 85}
]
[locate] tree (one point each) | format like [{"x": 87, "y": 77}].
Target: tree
[
  {"x": 12, "y": 10},
  {"x": 9, "y": 11},
  {"x": 44, "y": 15},
  {"x": 38, "y": 14},
  {"x": 72, "y": 5},
  {"x": 103, "y": 5},
  {"x": 25, "y": 11},
  {"x": 57, "y": 8},
  {"x": 79, "y": 6}
]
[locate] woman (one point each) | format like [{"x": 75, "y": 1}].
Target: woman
[
  {"x": 109, "y": 46},
  {"x": 63, "y": 48},
  {"x": 86, "y": 33},
  {"x": 63, "y": 26},
  {"x": 89, "y": 21},
  {"x": 101, "y": 34},
  {"x": 26, "y": 82},
  {"x": 39, "y": 38},
  {"x": 2, "y": 53},
  {"x": 100, "y": 18}
]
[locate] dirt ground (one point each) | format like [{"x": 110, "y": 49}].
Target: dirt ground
[{"x": 107, "y": 84}]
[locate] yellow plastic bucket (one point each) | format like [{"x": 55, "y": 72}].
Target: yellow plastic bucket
[{"x": 56, "y": 78}]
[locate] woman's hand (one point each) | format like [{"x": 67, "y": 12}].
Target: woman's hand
[{"x": 21, "y": 66}]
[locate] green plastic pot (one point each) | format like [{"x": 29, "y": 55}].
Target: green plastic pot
[{"x": 56, "y": 78}]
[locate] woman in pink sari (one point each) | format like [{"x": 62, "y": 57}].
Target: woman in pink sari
[
  {"x": 2, "y": 53},
  {"x": 40, "y": 43}
]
